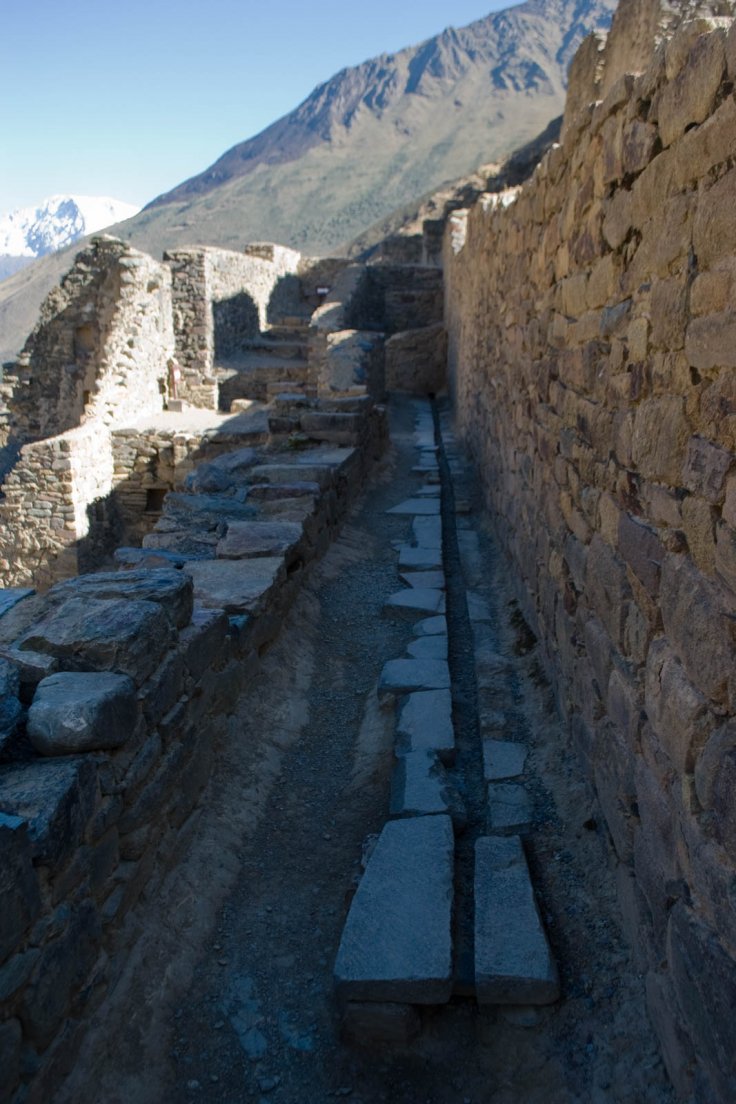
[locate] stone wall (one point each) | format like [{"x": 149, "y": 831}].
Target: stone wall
[
  {"x": 101, "y": 347},
  {"x": 592, "y": 340},
  {"x": 116, "y": 689},
  {"x": 223, "y": 299}
]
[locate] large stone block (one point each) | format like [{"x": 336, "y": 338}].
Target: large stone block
[
  {"x": 715, "y": 778},
  {"x": 660, "y": 434},
  {"x": 420, "y": 786},
  {"x": 236, "y": 586},
  {"x": 607, "y": 589},
  {"x": 251, "y": 539},
  {"x": 56, "y": 797},
  {"x": 222, "y": 474},
  {"x": 678, "y": 712},
  {"x": 691, "y": 96},
  {"x": 642, "y": 550},
  {"x": 513, "y": 961},
  {"x": 203, "y": 642},
  {"x": 705, "y": 469},
  {"x": 711, "y": 341},
  {"x": 404, "y": 676},
  {"x": 19, "y": 889},
  {"x": 714, "y": 234},
  {"x": 425, "y": 723},
  {"x": 88, "y": 634},
  {"x": 82, "y": 712},
  {"x": 397, "y": 942},
  {"x": 169, "y": 588},
  {"x": 701, "y": 631}
]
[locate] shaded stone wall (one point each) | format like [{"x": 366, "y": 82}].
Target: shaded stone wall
[
  {"x": 592, "y": 347},
  {"x": 101, "y": 347},
  {"x": 221, "y": 299}
]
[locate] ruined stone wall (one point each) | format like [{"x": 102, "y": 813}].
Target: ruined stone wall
[
  {"x": 221, "y": 300},
  {"x": 101, "y": 347},
  {"x": 592, "y": 332}
]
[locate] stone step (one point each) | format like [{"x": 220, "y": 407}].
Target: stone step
[
  {"x": 416, "y": 506},
  {"x": 513, "y": 961},
  {"x": 502, "y": 759},
  {"x": 420, "y": 559},
  {"x": 509, "y": 808},
  {"x": 428, "y": 647},
  {"x": 404, "y": 676},
  {"x": 397, "y": 944},
  {"x": 414, "y": 601}
]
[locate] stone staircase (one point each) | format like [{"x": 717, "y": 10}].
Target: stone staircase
[
  {"x": 274, "y": 362},
  {"x": 446, "y": 904}
]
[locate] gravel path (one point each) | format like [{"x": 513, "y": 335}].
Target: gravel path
[{"x": 228, "y": 996}]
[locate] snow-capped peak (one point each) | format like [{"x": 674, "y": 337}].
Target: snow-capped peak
[{"x": 58, "y": 221}]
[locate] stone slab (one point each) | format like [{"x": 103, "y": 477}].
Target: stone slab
[
  {"x": 429, "y": 490},
  {"x": 502, "y": 759},
  {"x": 428, "y": 647},
  {"x": 430, "y": 626},
  {"x": 11, "y": 596},
  {"x": 396, "y": 944},
  {"x": 273, "y": 492},
  {"x": 171, "y": 589},
  {"x": 415, "y": 601},
  {"x": 424, "y": 723},
  {"x": 513, "y": 961},
  {"x": 201, "y": 511},
  {"x": 222, "y": 473},
  {"x": 73, "y": 712},
  {"x": 419, "y": 559},
  {"x": 154, "y": 557},
  {"x": 404, "y": 676},
  {"x": 478, "y": 608},
  {"x": 235, "y": 586},
  {"x": 251, "y": 539},
  {"x": 427, "y": 531},
  {"x": 93, "y": 634},
  {"x": 56, "y": 797},
  {"x": 416, "y": 506},
  {"x": 434, "y": 580},
  {"x": 509, "y": 808},
  {"x": 420, "y": 786}
]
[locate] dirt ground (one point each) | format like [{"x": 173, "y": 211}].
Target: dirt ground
[{"x": 228, "y": 995}]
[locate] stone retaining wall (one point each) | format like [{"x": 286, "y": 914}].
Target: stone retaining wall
[
  {"x": 115, "y": 689},
  {"x": 592, "y": 351}
]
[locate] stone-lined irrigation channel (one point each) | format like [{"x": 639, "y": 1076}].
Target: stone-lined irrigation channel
[{"x": 230, "y": 993}]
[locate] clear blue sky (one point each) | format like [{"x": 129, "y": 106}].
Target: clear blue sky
[{"x": 130, "y": 97}]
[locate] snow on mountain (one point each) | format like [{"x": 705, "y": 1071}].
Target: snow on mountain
[{"x": 58, "y": 221}]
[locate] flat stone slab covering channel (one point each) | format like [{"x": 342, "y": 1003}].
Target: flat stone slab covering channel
[{"x": 229, "y": 995}]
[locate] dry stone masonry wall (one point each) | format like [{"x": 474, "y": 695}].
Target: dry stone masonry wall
[{"x": 592, "y": 346}]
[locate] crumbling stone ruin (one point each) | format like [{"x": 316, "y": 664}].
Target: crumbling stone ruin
[{"x": 193, "y": 431}]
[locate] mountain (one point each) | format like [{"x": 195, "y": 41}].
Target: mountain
[
  {"x": 362, "y": 145},
  {"x": 56, "y": 222}
]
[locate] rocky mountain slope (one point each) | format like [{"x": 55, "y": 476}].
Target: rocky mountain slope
[
  {"x": 58, "y": 221},
  {"x": 363, "y": 144}
]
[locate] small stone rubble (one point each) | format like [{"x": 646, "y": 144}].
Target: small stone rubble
[{"x": 392, "y": 941}]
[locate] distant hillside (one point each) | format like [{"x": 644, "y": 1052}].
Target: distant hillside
[{"x": 363, "y": 144}]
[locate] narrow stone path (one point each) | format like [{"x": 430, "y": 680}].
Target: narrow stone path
[{"x": 229, "y": 997}]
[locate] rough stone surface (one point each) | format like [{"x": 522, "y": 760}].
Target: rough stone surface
[
  {"x": 11, "y": 596},
  {"x": 82, "y": 712},
  {"x": 104, "y": 634},
  {"x": 417, "y": 507},
  {"x": 170, "y": 589},
  {"x": 424, "y": 723},
  {"x": 397, "y": 945},
  {"x": 235, "y": 586},
  {"x": 420, "y": 559},
  {"x": 56, "y": 797},
  {"x": 513, "y": 962},
  {"x": 420, "y": 787},
  {"x": 249, "y": 539},
  {"x": 502, "y": 759}
]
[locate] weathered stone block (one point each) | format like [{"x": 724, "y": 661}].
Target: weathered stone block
[
  {"x": 236, "y": 586},
  {"x": 56, "y": 797},
  {"x": 503, "y": 759},
  {"x": 715, "y": 777},
  {"x": 690, "y": 97},
  {"x": 510, "y": 808},
  {"x": 414, "y": 601},
  {"x": 273, "y": 492},
  {"x": 404, "y": 676},
  {"x": 87, "y": 634},
  {"x": 678, "y": 712},
  {"x": 220, "y": 475},
  {"x": 420, "y": 786},
  {"x": 642, "y": 550},
  {"x": 203, "y": 642},
  {"x": 425, "y": 724},
  {"x": 705, "y": 469},
  {"x": 613, "y": 773},
  {"x": 607, "y": 589},
  {"x": 427, "y": 532},
  {"x": 701, "y": 632},
  {"x": 660, "y": 435},
  {"x": 251, "y": 539},
  {"x": 513, "y": 962},
  {"x": 428, "y": 647},
  {"x": 417, "y": 507},
  {"x": 82, "y": 712},
  {"x": 422, "y": 559},
  {"x": 18, "y": 883},
  {"x": 397, "y": 943},
  {"x": 711, "y": 341},
  {"x": 169, "y": 588}
]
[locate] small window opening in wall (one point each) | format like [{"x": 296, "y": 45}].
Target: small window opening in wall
[
  {"x": 86, "y": 396},
  {"x": 155, "y": 499}
]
